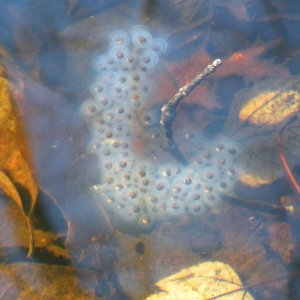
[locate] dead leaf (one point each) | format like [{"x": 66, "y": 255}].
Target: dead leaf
[
  {"x": 259, "y": 163},
  {"x": 271, "y": 107},
  {"x": 41, "y": 281},
  {"x": 246, "y": 63},
  {"x": 254, "y": 180},
  {"x": 16, "y": 176},
  {"x": 15, "y": 232},
  {"x": 203, "y": 281}
]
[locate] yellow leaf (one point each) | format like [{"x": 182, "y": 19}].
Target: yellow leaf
[
  {"x": 253, "y": 180},
  {"x": 5, "y": 102},
  {"x": 203, "y": 281},
  {"x": 271, "y": 107},
  {"x": 9, "y": 189},
  {"x": 16, "y": 176}
]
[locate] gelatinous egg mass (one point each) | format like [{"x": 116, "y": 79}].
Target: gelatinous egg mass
[{"x": 140, "y": 182}]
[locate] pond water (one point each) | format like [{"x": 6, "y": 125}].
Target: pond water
[{"x": 127, "y": 199}]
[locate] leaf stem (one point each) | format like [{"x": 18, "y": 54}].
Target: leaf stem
[{"x": 31, "y": 237}]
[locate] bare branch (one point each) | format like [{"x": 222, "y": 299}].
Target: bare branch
[{"x": 168, "y": 111}]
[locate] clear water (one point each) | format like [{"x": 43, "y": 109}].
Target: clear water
[{"x": 126, "y": 209}]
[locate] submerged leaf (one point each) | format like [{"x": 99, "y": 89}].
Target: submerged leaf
[
  {"x": 16, "y": 176},
  {"x": 253, "y": 180},
  {"x": 259, "y": 163},
  {"x": 203, "y": 281},
  {"x": 41, "y": 281},
  {"x": 271, "y": 107}
]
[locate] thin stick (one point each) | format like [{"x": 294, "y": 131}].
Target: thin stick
[{"x": 168, "y": 111}]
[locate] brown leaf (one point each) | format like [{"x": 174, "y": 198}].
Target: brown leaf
[
  {"x": 14, "y": 233},
  {"x": 16, "y": 176},
  {"x": 41, "y": 281}
]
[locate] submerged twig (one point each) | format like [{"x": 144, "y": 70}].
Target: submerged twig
[{"x": 168, "y": 111}]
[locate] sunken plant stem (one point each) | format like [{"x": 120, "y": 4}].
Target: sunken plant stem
[{"x": 168, "y": 111}]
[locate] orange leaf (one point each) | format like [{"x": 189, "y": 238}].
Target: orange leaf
[{"x": 16, "y": 177}]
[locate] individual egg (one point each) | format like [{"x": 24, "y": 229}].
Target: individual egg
[
  {"x": 209, "y": 174},
  {"x": 234, "y": 149},
  {"x": 102, "y": 63},
  {"x": 119, "y": 54},
  {"x": 225, "y": 186},
  {"x": 118, "y": 92},
  {"x": 150, "y": 118},
  {"x": 98, "y": 131},
  {"x": 187, "y": 177},
  {"x": 153, "y": 203},
  {"x": 175, "y": 207},
  {"x": 195, "y": 196},
  {"x": 196, "y": 207},
  {"x": 125, "y": 177},
  {"x": 146, "y": 221},
  {"x": 136, "y": 80},
  {"x": 135, "y": 100},
  {"x": 94, "y": 145},
  {"x": 168, "y": 171},
  {"x": 89, "y": 109},
  {"x": 232, "y": 172},
  {"x": 104, "y": 101},
  {"x": 108, "y": 179},
  {"x": 97, "y": 89},
  {"x": 122, "y": 78},
  {"x": 119, "y": 38},
  {"x": 221, "y": 144},
  {"x": 222, "y": 160},
  {"x": 133, "y": 195},
  {"x": 160, "y": 211},
  {"x": 121, "y": 110},
  {"x": 203, "y": 153},
  {"x": 109, "y": 166},
  {"x": 140, "y": 36},
  {"x": 148, "y": 60},
  {"x": 109, "y": 116},
  {"x": 121, "y": 132},
  {"x": 124, "y": 162},
  {"x": 130, "y": 62},
  {"x": 212, "y": 200},
  {"x": 160, "y": 186},
  {"x": 125, "y": 159},
  {"x": 159, "y": 46}
]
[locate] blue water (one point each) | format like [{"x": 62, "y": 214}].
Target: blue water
[{"x": 127, "y": 209}]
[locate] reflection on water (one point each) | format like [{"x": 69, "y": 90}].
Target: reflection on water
[{"x": 89, "y": 85}]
